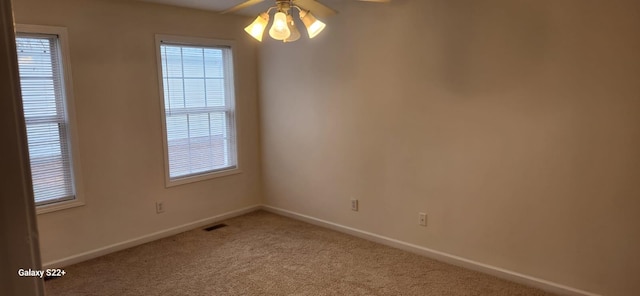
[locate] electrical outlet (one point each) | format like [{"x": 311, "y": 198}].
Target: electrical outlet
[
  {"x": 159, "y": 207},
  {"x": 422, "y": 219},
  {"x": 354, "y": 204}
]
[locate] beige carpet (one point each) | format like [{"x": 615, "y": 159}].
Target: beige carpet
[{"x": 264, "y": 254}]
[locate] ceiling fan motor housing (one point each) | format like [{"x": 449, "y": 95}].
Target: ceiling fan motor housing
[{"x": 283, "y": 5}]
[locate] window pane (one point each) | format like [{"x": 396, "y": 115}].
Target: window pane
[
  {"x": 199, "y": 137},
  {"x": 172, "y": 61},
  {"x": 174, "y": 89},
  {"x": 213, "y": 63},
  {"x": 192, "y": 62},
  {"x": 219, "y": 145},
  {"x": 215, "y": 92},
  {"x": 200, "y": 143},
  {"x": 194, "y": 92},
  {"x": 50, "y": 175},
  {"x": 39, "y": 97},
  {"x": 34, "y": 57}
]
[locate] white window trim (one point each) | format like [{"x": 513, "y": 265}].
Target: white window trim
[
  {"x": 62, "y": 34},
  {"x": 195, "y": 41}
]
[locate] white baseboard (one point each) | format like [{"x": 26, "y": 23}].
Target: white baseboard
[
  {"x": 437, "y": 255},
  {"x": 146, "y": 238}
]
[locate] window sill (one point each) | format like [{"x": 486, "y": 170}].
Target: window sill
[
  {"x": 203, "y": 177},
  {"x": 43, "y": 209}
]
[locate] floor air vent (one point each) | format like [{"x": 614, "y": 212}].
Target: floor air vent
[{"x": 214, "y": 227}]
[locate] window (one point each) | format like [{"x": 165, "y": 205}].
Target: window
[
  {"x": 198, "y": 108},
  {"x": 48, "y": 111}
]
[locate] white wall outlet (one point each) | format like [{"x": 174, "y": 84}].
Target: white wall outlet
[
  {"x": 354, "y": 204},
  {"x": 159, "y": 207},
  {"x": 422, "y": 219}
]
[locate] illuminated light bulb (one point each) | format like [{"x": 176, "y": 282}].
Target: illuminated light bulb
[
  {"x": 295, "y": 34},
  {"x": 279, "y": 29},
  {"x": 256, "y": 29},
  {"x": 314, "y": 26}
]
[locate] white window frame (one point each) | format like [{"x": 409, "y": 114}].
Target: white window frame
[
  {"x": 70, "y": 115},
  {"x": 203, "y": 42}
]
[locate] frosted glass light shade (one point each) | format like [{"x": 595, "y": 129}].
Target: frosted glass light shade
[
  {"x": 295, "y": 34},
  {"x": 314, "y": 26},
  {"x": 279, "y": 29},
  {"x": 256, "y": 29}
]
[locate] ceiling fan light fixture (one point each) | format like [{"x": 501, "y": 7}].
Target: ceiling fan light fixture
[
  {"x": 295, "y": 34},
  {"x": 256, "y": 29},
  {"x": 283, "y": 27},
  {"x": 313, "y": 25},
  {"x": 279, "y": 29}
]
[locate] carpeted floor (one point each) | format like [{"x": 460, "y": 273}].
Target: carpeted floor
[{"x": 265, "y": 254}]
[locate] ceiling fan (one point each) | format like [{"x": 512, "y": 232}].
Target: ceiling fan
[{"x": 283, "y": 27}]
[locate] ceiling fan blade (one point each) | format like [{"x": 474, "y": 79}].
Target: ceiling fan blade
[
  {"x": 242, "y": 6},
  {"x": 317, "y": 8}
]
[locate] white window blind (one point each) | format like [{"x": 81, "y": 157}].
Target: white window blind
[
  {"x": 199, "y": 109},
  {"x": 43, "y": 97}
]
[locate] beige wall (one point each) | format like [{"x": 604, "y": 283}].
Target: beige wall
[
  {"x": 115, "y": 83},
  {"x": 514, "y": 124}
]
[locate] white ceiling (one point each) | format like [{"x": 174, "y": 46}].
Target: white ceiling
[
  {"x": 221, "y": 5},
  {"x": 213, "y": 5}
]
